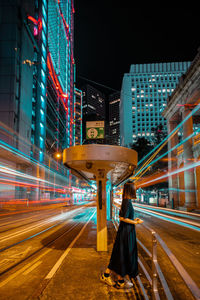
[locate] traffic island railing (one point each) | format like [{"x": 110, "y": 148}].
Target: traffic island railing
[{"x": 156, "y": 279}]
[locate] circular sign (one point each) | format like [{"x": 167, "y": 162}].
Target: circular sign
[{"x": 92, "y": 133}]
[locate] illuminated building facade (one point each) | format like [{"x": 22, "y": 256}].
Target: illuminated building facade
[
  {"x": 114, "y": 120},
  {"x": 37, "y": 86},
  {"x": 37, "y": 75},
  {"x": 183, "y": 116},
  {"x": 143, "y": 98},
  {"x": 78, "y": 116},
  {"x": 60, "y": 63}
]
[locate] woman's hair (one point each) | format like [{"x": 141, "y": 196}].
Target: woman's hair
[{"x": 129, "y": 192}]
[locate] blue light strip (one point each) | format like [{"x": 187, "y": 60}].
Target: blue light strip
[
  {"x": 172, "y": 132},
  {"x": 164, "y": 154},
  {"x": 168, "y": 219}
]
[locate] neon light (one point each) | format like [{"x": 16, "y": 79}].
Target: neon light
[
  {"x": 56, "y": 82},
  {"x": 33, "y": 20},
  {"x": 35, "y": 31},
  {"x": 36, "y": 22},
  {"x": 65, "y": 96}
]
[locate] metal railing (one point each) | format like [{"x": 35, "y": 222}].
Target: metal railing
[{"x": 156, "y": 272}]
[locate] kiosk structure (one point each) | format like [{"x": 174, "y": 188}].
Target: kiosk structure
[{"x": 101, "y": 163}]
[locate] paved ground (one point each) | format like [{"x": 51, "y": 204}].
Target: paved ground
[{"x": 78, "y": 276}]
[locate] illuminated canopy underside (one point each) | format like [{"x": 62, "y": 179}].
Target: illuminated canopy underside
[{"x": 118, "y": 163}]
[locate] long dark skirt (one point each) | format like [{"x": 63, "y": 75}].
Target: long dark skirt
[{"x": 124, "y": 257}]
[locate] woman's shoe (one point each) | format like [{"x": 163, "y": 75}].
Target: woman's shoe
[
  {"x": 107, "y": 279},
  {"x": 123, "y": 285}
]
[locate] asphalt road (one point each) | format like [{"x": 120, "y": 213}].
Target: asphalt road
[{"x": 32, "y": 243}]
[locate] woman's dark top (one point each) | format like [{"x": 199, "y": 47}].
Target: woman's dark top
[{"x": 124, "y": 258}]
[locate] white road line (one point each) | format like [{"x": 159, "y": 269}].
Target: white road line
[
  {"x": 53, "y": 270},
  {"x": 60, "y": 260},
  {"x": 12, "y": 276},
  {"x": 32, "y": 267}
]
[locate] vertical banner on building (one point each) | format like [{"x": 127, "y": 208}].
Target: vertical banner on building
[{"x": 95, "y": 130}]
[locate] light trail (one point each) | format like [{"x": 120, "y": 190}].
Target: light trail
[
  {"x": 146, "y": 163},
  {"x": 185, "y": 168},
  {"x": 185, "y": 223},
  {"x": 172, "y": 132},
  {"x": 175, "y": 212},
  {"x": 26, "y": 157},
  {"x": 164, "y": 154},
  {"x": 58, "y": 218}
]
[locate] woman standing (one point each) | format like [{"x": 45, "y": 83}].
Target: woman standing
[{"x": 124, "y": 257}]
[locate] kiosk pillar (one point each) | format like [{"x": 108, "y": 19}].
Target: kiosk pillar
[{"x": 101, "y": 211}]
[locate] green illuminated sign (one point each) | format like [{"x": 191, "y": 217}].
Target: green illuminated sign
[{"x": 95, "y": 130}]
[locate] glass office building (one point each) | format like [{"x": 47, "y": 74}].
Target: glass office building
[
  {"x": 37, "y": 74},
  {"x": 144, "y": 94},
  {"x": 114, "y": 122},
  {"x": 78, "y": 95}
]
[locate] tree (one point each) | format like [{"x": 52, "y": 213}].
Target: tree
[{"x": 142, "y": 146}]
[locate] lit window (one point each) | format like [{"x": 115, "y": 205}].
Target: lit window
[
  {"x": 43, "y": 50},
  {"x": 43, "y": 89},
  {"x": 43, "y": 76},
  {"x": 44, "y": 13},
  {"x": 41, "y": 142},
  {"x": 44, "y": 25},
  {"x": 44, "y": 38}
]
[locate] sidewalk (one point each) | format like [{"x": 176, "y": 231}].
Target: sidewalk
[{"x": 78, "y": 276}]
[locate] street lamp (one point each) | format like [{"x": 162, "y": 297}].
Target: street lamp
[{"x": 58, "y": 155}]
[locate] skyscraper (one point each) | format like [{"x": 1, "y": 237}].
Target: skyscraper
[
  {"x": 114, "y": 119},
  {"x": 37, "y": 87},
  {"x": 143, "y": 98},
  {"x": 37, "y": 74},
  {"x": 93, "y": 107},
  {"x": 78, "y": 116}
]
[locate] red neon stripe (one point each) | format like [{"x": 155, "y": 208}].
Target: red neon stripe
[
  {"x": 33, "y": 20},
  {"x": 56, "y": 82}
]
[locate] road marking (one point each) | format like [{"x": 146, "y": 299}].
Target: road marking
[
  {"x": 32, "y": 267},
  {"x": 5, "y": 261},
  {"x": 21, "y": 254},
  {"x": 56, "y": 266},
  {"x": 60, "y": 260},
  {"x": 12, "y": 276}
]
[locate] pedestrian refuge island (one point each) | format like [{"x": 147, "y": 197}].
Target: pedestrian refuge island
[{"x": 101, "y": 163}]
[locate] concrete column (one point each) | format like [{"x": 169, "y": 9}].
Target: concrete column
[
  {"x": 172, "y": 165},
  {"x": 189, "y": 179},
  {"x": 198, "y": 186},
  {"x": 101, "y": 211},
  {"x": 111, "y": 203},
  {"x": 181, "y": 188}
]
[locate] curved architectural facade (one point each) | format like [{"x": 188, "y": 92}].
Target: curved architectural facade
[{"x": 183, "y": 120}]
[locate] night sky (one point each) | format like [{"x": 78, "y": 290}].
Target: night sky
[{"x": 111, "y": 35}]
